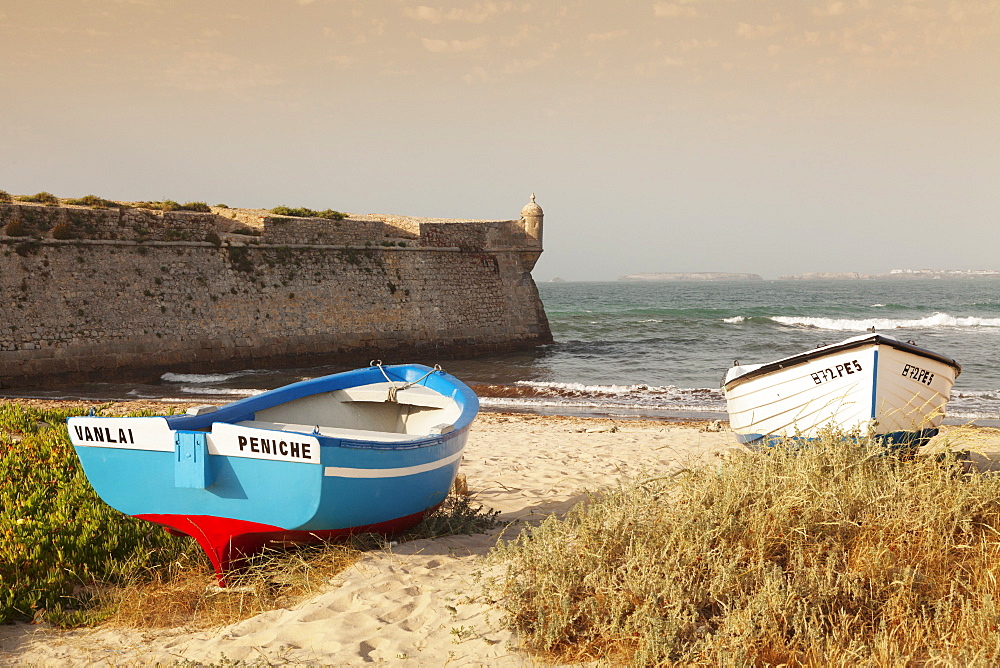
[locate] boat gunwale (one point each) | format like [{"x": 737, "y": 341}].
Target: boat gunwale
[
  {"x": 419, "y": 374},
  {"x": 833, "y": 349}
]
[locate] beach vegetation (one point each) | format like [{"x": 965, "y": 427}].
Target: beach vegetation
[
  {"x": 68, "y": 558},
  {"x": 302, "y": 212},
  {"x": 58, "y": 538},
  {"x": 5, "y": 197},
  {"x": 43, "y": 197},
  {"x": 460, "y": 514},
  {"x": 835, "y": 554}
]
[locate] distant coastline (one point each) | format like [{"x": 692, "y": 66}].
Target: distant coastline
[
  {"x": 696, "y": 276},
  {"x": 895, "y": 274}
]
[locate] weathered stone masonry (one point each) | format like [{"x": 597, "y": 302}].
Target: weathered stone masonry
[{"x": 130, "y": 293}]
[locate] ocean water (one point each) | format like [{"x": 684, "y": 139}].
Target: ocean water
[{"x": 660, "y": 349}]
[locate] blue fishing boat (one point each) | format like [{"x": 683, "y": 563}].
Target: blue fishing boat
[{"x": 369, "y": 450}]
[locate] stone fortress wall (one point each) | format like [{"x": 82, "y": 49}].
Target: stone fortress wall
[{"x": 117, "y": 293}]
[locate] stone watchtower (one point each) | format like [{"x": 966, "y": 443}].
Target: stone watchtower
[{"x": 531, "y": 219}]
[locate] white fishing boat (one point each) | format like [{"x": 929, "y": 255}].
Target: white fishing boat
[{"x": 871, "y": 384}]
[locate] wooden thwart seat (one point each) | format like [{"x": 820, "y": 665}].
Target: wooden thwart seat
[
  {"x": 334, "y": 432},
  {"x": 415, "y": 395}
]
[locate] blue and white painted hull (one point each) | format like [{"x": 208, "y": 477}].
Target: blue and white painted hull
[
  {"x": 352, "y": 452},
  {"x": 867, "y": 385}
]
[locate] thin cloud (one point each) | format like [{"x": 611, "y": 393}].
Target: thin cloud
[
  {"x": 832, "y": 9},
  {"x": 607, "y": 36},
  {"x": 670, "y": 10},
  {"x": 479, "y": 12},
  {"x": 216, "y": 71},
  {"x": 454, "y": 45},
  {"x": 695, "y": 44},
  {"x": 757, "y": 31}
]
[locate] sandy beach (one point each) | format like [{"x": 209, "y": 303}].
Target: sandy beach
[
  {"x": 416, "y": 602},
  {"x": 419, "y": 602}
]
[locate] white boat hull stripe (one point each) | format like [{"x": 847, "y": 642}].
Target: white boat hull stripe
[{"x": 343, "y": 472}]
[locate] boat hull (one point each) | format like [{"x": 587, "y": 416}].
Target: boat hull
[
  {"x": 868, "y": 386},
  {"x": 238, "y": 478}
]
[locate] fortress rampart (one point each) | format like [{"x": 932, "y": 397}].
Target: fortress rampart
[{"x": 92, "y": 294}]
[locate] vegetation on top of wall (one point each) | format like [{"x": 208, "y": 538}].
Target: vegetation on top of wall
[
  {"x": 248, "y": 231},
  {"x": 171, "y": 205},
  {"x": 5, "y": 196},
  {"x": 168, "y": 205},
  {"x": 93, "y": 201},
  {"x": 303, "y": 212},
  {"x": 40, "y": 198}
]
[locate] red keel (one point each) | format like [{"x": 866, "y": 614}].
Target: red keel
[{"x": 228, "y": 542}]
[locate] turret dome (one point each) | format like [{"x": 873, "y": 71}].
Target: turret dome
[{"x": 531, "y": 209}]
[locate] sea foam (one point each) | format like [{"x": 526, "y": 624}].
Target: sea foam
[
  {"x": 206, "y": 378},
  {"x": 937, "y": 320}
]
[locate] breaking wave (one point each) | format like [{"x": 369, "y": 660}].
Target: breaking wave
[
  {"x": 198, "y": 378},
  {"x": 600, "y": 398},
  {"x": 222, "y": 391},
  {"x": 936, "y": 320}
]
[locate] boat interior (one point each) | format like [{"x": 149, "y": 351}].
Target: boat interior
[{"x": 366, "y": 412}]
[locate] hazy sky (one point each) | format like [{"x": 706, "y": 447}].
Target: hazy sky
[{"x": 767, "y": 136}]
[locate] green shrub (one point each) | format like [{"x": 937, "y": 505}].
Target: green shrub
[
  {"x": 303, "y": 212},
  {"x": 168, "y": 205},
  {"x": 5, "y": 196},
  {"x": 200, "y": 207},
  {"x": 28, "y": 248},
  {"x": 93, "y": 201},
  {"x": 64, "y": 231},
  {"x": 57, "y": 535},
  {"x": 213, "y": 238},
  {"x": 836, "y": 554},
  {"x": 17, "y": 228},
  {"x": 40, "y": 198},
  {"x": 248, "y": 231}
]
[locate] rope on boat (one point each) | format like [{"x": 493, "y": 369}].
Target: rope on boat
[{"x": 393, "y": 387}]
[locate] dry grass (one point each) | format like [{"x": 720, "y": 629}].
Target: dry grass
[
  {"x": 186, "y": 595},
  {"x": 835, "y": 554}
]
